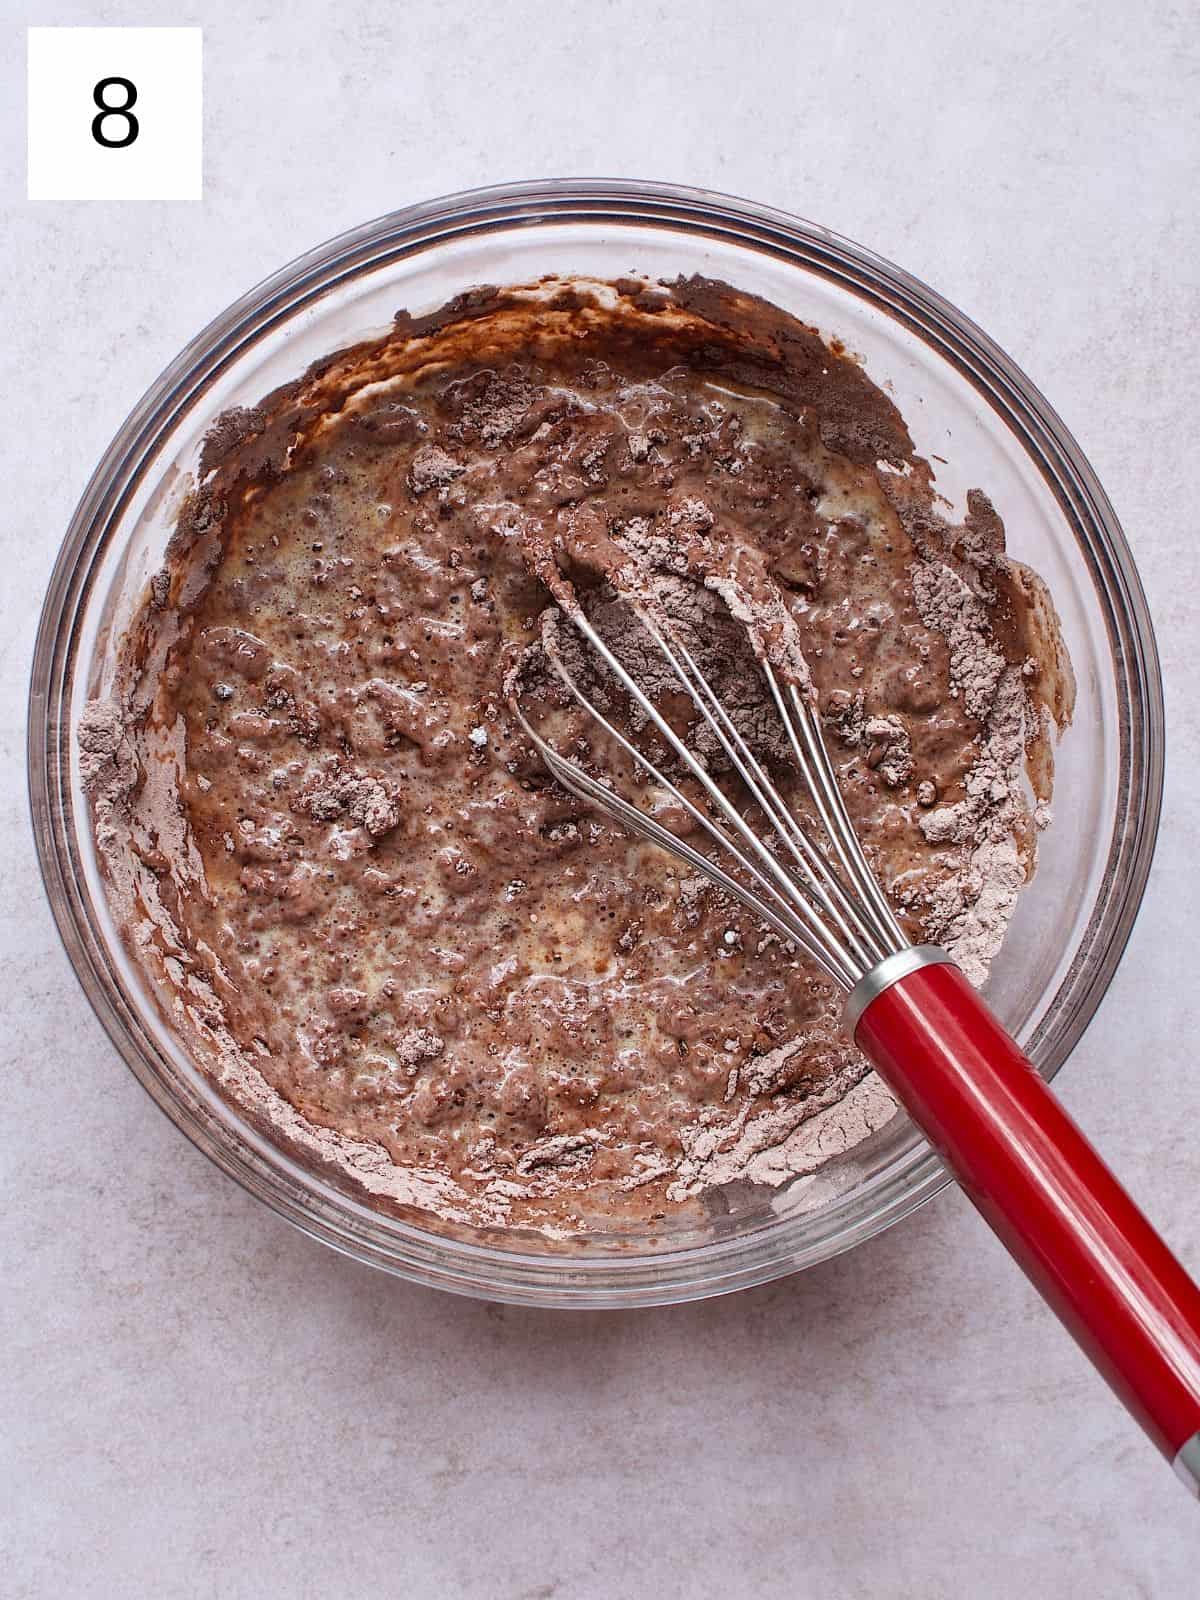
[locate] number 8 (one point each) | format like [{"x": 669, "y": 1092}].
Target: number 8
[{"x": 114, "y": 111}]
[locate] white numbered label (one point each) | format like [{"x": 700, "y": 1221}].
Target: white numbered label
[{"x": 115, "y": 114}]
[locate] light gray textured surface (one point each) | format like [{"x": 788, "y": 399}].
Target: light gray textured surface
[{"x": 199, "y": 1402}]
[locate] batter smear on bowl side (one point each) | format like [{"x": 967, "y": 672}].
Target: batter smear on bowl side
[{"x": 370, "y": 916}]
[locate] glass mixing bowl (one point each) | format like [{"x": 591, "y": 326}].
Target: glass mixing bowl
[{"x": 966, "y": 404}]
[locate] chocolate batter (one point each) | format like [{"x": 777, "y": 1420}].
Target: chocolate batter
[{"x": 381, "y": 928}]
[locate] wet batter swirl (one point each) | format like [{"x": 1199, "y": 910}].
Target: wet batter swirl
[{"x": 379, "y": 923}]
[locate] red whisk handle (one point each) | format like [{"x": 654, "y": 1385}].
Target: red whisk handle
[{"x": 1042, "y": 1188}]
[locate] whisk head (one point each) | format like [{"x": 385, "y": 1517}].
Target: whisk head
[{"x": 807, "y": 879}]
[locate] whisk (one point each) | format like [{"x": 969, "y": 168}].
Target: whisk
[{"x": 995, "y": 1122}]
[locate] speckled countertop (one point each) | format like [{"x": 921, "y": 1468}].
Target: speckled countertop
[{"x": 199, "y": 1402}]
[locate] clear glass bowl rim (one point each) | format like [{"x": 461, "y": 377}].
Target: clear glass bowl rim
[{"x": 605, "y": 1280}]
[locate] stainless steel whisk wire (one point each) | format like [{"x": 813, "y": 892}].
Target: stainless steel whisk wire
[{"x": 847, "y": 932}]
